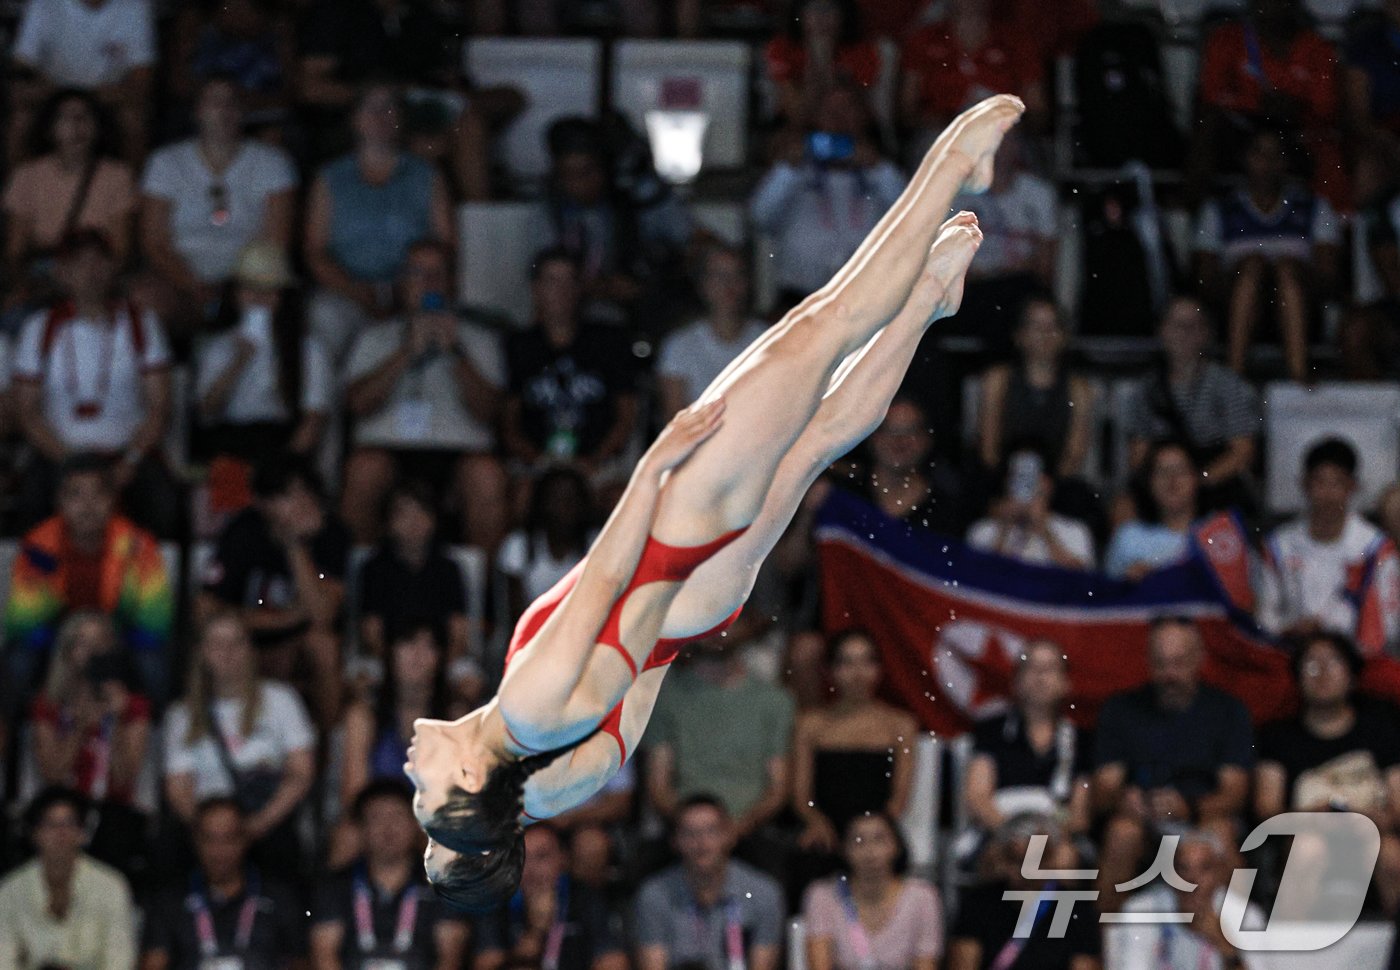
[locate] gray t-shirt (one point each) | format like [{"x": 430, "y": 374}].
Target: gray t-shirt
[
  {"x": 213, "y": 216},
  {"x": 1217, "y": 406},
  {"x": 722, "y": 737},
  {"x": 425, "y": 409},
  {"x": 668, "y": 915}
]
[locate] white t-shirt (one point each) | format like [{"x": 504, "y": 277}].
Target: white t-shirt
[
  {"x": 214, "y": 216},
  {"x": 529, "y": 560},
  {"x": 1168, "y": 946},
  {"x": 1014, "y": 222},
  {"x": 282, "y": 728},
  {"x": 74, "y": 44},
  {"x": 255, "y": 396},
  {"x": 90, "y": 372},
  {"x": 1072, "y": 534},
  {"x": 425, "y": 409},
  {"x": 696, "y": 355},
  {"x": 1303, "y": 577}
]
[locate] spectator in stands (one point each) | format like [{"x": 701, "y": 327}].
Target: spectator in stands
[
  {"x": 968, "y": 55},
  {"x": 828, "y": 188},
  {"x": 620, "y": 243},
  {"x": 70, "y": 181},
  {"x": 872, "y": 915},
  {"x": 88, "y": 558},
  {"x": 903, "y": 478},
  {"x": 1388, "y": 512},
  {"x": 1021, "y": 525},
  {"x": 263, "y": 385},
  {"x": 425, "y": 391},
  {"x": 90, "y": 731},
  {"x": 1032, "y": 758},
  {"x": 1370, "y": 99},
  {"x": 1037, "y": 402},
  {"x": 710, "y": 910},
  {"x": 1268, "y": 67},
  {"x": 571, "y": 397},
  {"x": 1170, "y": 752},
  {"x": 1019, "y": 218},
  {"x": 720, "y": 731},
  {"x": 984, "y": 934},
  {"x": 555, "y": 18},
  {"x": 1168, "y": 505},
  {"x": 249, "y": 41},
  {"x": 1316, "y": 565},
  {"x": 377, "y": 729},
  {"x": 557, "y": 532},
  {"x": 821, "y": 47},
  {"x": 91, "y": 375},
  {"x": 853, "y": 757},
  {"x": 411, "y": 582},
  {"x": 407, "y": 925},
  {"x": 693, "y": 356},
  {"x": 107, "y": 47},
  {"x": 224, "y": 912},
  {"x": 64, "y": 908},
  {"x": 237, "y": 735},
  {"x": 1200, "y": 403},
  {"x": 1269, "y": 238},
  {"x": 281, "y": 564},
  {"x": 1202, "y": 859},
  {"x": 1338, "y": 753},
  {"x": 7, "y": 395},
  {"x": 367, "y": 210},
  {"x": 204, "y": 200},
  {"x": 522, "y": 930}
]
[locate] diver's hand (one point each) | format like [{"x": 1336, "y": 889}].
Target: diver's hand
[{"x": 682, "y": 435}]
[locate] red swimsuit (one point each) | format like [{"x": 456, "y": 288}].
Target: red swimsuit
[{"x": 659, "y": 563}]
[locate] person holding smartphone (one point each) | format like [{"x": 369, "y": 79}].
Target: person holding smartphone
[
  {"x": 1021, "y": 525},
  {"x": 824, "y": 193}
]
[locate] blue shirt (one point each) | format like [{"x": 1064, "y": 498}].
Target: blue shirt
[
  {"x": 1143, "y": 542},
  {"x": 373, "y": 226}
]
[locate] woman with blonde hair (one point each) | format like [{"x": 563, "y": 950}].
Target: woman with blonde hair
[
  {"x": 90, "y": 732},
  {"x": 235, "y": 734}
]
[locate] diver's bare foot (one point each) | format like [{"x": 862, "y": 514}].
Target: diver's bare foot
[
  {"x": 945, "y": 270},
  {"x": 976, "y": 134}
]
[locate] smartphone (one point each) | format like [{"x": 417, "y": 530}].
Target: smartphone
[
  {"x": 433, "y": 303},
  {"x": 1023, "y": 476},
  {"x": 824, "y": 147}
]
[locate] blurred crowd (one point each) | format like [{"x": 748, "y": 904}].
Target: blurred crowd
[{"x": 275, "y": 485}]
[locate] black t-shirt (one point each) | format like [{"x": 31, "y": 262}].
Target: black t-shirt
[
  {"x": 1337, "y": 766},
  {"x": 1185, "y": 749},
  {"x": 393, "y": 591},
  {"x": 1003, "y": 739},
  {"x": 278, "y": 936},
  {"x": 570, "y": 393},
  {"x": 985, "y": 917},
  {"x": 334, "y": 902},
  {"x": 413, "y": 45},
  {"x": 590, "y": 928},
  {"x": 250, "y": 567}
]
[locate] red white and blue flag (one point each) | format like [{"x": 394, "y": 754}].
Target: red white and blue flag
[{"x": 951, "y": 621}]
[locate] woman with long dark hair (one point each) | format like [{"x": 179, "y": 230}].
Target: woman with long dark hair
[
  {"x": 873, "y": 917},
  {"x": 555, "y": 536},
  {"x": 705, "y": 505},
  {"x": 71, "y": 180},
  {"x": 1167, "y": 497}
]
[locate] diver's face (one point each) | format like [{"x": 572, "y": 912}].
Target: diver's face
[{"x": 438, "y": 759}]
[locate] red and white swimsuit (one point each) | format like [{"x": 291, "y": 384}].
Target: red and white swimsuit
[{"x": 659, "y": 563}]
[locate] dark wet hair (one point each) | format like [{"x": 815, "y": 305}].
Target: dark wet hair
[{"x": 484, "y": 828}]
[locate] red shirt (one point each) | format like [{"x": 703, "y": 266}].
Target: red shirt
[
  {"x": 1307, "y": 71},
  {"x": 952, "y": 78},
  {"x": 96, "y": 753},
  {"x": 787, "y": 59}
]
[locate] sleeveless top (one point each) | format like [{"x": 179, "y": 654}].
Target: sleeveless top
[
  {"x": 1036, "y": 416},
  {"x": 372, "y": 226}
]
